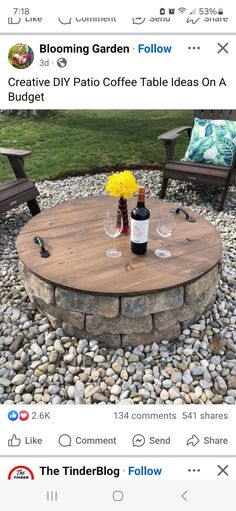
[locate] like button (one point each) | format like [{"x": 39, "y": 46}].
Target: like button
[{"x": 14, "y": 441}]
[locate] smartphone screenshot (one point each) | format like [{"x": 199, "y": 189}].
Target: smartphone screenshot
[{"x": 117, "y": 255}]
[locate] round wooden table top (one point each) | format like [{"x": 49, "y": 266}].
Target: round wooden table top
[{"x": 73, "y": 233}]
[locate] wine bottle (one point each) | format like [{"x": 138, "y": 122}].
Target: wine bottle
[{"x": 139, "y": 225}]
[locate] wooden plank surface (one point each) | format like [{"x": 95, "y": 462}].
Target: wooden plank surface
[
  {"x": 74, "y": 235},
  {"x": 14, "y": 193},
  {"x": 5, "y": 151},
  {"x": 11, "y": 188}
]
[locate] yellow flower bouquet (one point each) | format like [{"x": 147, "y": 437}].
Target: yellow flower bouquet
[{"x": 122, "y": 185}]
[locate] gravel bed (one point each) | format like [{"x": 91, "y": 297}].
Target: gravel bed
[{"x": 40, "y": 365}]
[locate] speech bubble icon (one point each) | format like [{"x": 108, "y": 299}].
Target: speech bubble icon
[
  {"x": 138, "y": 440},
  {"x": 65, "y": 440}
]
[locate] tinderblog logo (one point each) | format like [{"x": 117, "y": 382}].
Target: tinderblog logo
[{"x": 21, "y": 472}]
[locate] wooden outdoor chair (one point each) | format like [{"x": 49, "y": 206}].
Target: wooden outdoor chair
[
  {"x": 13, "y": 193},
  {"x": 197, "y": 172}
]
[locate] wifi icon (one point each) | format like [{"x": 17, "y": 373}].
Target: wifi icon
[{"x": 182, "y": 10}]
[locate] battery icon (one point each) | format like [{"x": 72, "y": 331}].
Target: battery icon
[{"x": 220, "y": 12}]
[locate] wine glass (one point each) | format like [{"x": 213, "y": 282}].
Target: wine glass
[
  {"x": 165, "y": 227},
  {"x": 113, "y": 225}
]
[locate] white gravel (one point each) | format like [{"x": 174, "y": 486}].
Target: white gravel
[{"x": 40, "y": 365}]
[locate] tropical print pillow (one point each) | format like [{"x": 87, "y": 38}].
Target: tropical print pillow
[{"x": 212, "y": 142}]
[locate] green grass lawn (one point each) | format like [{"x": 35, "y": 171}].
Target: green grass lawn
[{"x": 71, "y": 142}]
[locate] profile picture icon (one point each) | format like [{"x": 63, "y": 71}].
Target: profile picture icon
[{"x": 21, "y": 56}]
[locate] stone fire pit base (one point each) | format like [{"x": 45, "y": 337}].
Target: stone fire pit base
[{"x": 122, "y": 320}]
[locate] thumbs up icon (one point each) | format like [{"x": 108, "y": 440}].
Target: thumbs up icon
[
  {"x": 14, "y": 441},
  {"x": 13, "y": 415}
]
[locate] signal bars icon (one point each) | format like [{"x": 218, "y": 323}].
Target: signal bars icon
[{"x": 182, "y": 10}]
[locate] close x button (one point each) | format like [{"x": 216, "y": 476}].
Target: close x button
[
  {"x": 223, "y": 470},
  {"x": 223, "y": 48}
]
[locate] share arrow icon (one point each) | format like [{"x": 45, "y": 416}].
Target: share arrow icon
[{"x": 193, "y": 440}]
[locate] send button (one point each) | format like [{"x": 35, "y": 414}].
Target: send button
[{"x": 159, "y": 441}]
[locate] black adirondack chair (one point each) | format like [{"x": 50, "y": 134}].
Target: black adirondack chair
[
  {"x": 20, "y": 190},
  {"x": 197, "y": 172}
]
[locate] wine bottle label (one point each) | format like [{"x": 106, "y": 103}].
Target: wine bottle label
[{"x": 139, "y": 230}]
